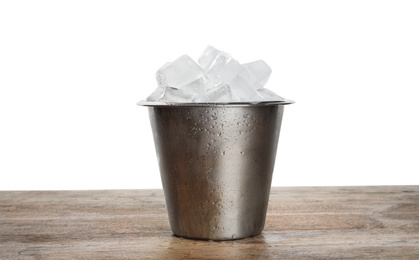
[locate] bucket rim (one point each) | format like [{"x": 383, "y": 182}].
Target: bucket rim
[{"x": 223, "y": 104}]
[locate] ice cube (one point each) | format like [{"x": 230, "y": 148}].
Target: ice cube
[
  {"x": 226, "y": 73},
  {"x": 219, "y": 93},
  {"x": 196, "y": 87},
  {"x": 211, "y": 60},
  {"x": 268, "y": 95},
  {"x": 219, "y": 63},
  {"x": 260, "y": 71},
  {"x": 178, "y": 96},
  {"x": 208, "y": 57},
  {"x": 157, "y": 95},
  {"x": 217, "y": 78},
  {"x": 243, "y": 91},
  {"x": 179, "y": 73}
]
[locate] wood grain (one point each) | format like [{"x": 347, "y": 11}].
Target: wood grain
[{"x": 380, "y": 222}]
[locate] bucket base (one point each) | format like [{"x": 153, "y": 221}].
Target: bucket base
[{"x": 216, "y": 239}]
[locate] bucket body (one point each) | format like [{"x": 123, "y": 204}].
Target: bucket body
[{"x": 216, "y": 165}]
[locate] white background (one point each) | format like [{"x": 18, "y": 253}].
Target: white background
[{"x": 71, "y": 73}]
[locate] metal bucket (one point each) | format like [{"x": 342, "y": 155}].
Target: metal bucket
[{"x": 216, "y": 163}]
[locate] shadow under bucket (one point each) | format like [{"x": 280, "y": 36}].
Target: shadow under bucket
[{"x": 216, "y": 163}]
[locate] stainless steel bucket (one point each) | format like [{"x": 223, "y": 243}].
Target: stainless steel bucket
[{"x": 216, "y": 163}]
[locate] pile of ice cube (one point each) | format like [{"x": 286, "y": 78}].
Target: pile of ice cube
[{"x": 216, "y": 78}]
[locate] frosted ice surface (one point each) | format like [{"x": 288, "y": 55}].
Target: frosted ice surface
[
  {"x": 178, "y": 96},
  {"x": 268, "y": 95},
  {"x": 260, "y": 72},
  {"x": 179, "y": 73},
  {"x": 220, "y": 93}
]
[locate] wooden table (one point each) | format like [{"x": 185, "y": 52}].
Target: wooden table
[{"x": 306, "y": 222}]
